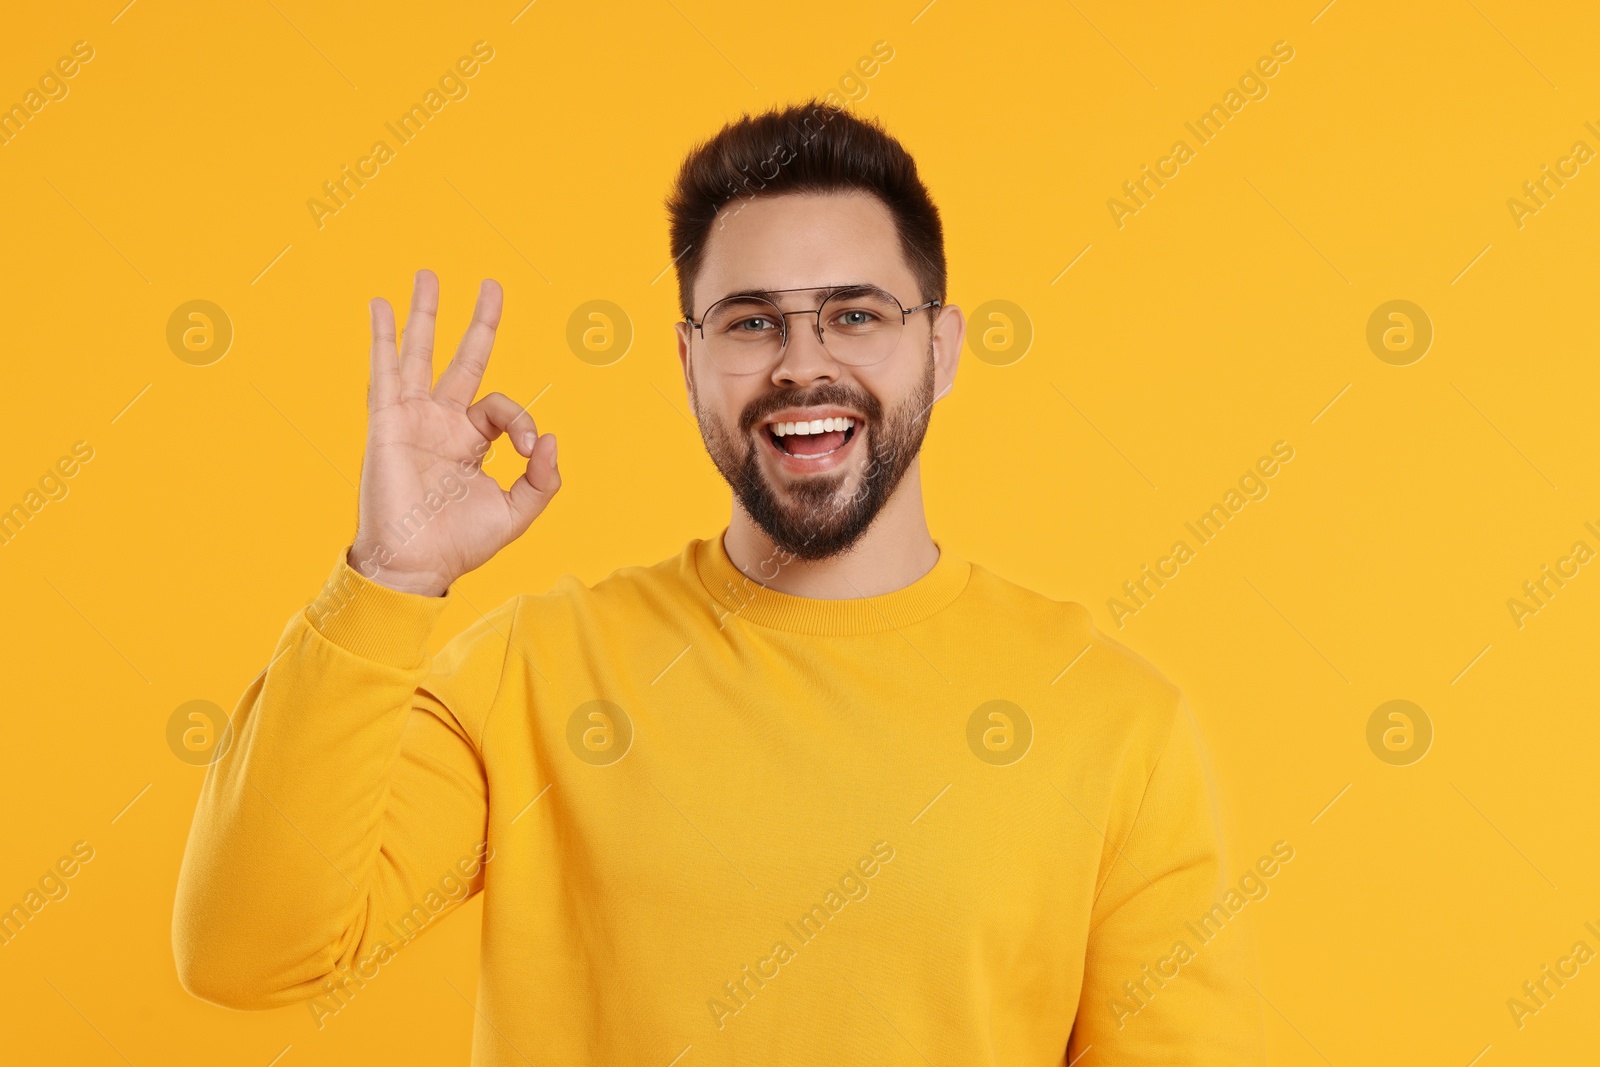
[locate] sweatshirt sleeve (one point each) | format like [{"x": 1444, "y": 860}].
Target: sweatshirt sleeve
[
  {"x": 1167, "y": 978},
  {"x": 349, "y": 810}
]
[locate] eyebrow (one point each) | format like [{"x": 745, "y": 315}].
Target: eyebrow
[{"x": 768, "y": 293}]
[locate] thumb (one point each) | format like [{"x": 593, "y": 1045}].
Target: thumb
[{"x": 531, "y": 493}]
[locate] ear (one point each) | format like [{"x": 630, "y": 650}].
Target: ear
[
  {"x": 949, "y": 331},
  {"x": 685, "y": 332}
]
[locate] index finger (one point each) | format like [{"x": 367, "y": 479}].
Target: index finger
[{"x": 416, "y": 348}]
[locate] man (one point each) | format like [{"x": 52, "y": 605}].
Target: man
[{"x": 881, "y": 806}]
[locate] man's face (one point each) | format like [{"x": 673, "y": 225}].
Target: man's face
[{"x": 815, "y": 494}]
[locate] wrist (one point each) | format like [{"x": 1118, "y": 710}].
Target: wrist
[
  {"x": 373, "y": 620},
  {"x": 371, "y": 565}
]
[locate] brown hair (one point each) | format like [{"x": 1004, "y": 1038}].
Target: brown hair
[{"x": 807, "y": 148}]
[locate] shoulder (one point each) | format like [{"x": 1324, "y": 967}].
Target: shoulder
[
  {"x": 468, "y": 671},
  {"x": 1100, "y": 673},
  {"x": 632, "y": 592}
]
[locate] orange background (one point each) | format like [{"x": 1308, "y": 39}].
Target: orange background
[{"x": 1229, "y": 313}]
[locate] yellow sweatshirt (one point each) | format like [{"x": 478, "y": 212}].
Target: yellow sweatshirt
[{"x": 718, "y": 824}]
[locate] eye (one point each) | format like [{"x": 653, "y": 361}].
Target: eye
[
  {"x": 860, "y": 310},
  {"x": 753, "y": 324},
  {"x": 855, "y": 318}
]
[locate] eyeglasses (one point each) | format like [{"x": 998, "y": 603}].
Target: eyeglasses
[{"x": 860, "y": 325}]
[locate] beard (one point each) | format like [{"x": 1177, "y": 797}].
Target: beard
[{"x": 817, "y": 516}]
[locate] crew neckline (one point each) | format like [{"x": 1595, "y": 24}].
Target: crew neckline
[{"x": 745, "y": 598}]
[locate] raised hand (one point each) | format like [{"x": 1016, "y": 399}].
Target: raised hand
[{"x": 428, "y": 512}]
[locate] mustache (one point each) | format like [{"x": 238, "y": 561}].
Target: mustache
[{"x": 757, "y": 411}]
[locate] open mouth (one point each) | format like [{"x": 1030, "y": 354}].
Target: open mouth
[{"x": 811, "y": 440}]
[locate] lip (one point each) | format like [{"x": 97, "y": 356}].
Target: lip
[{"x": 791, "y": 464}]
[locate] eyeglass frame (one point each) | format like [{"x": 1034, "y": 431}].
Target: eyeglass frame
[{"x": 783, "y": 316}]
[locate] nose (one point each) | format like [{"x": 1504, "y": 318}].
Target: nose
[{"x": 805, "y": 358}]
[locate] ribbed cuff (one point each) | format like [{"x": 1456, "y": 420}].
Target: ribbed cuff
[{"x": 373, "y": 621}]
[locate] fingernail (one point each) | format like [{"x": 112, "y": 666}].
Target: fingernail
[
  {"x": 528, "y": 441},
  {"x": 552, "y": 451}
]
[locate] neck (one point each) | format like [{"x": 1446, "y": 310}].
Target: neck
[{"x": 894, "y": 552}]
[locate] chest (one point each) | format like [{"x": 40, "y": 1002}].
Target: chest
[{"x": 753, "y": 801}]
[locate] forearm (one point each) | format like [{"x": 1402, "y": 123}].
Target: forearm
[{"x": 282, "y": 865}]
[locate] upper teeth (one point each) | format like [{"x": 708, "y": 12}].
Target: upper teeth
[{"x": 783, "y": 429}]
